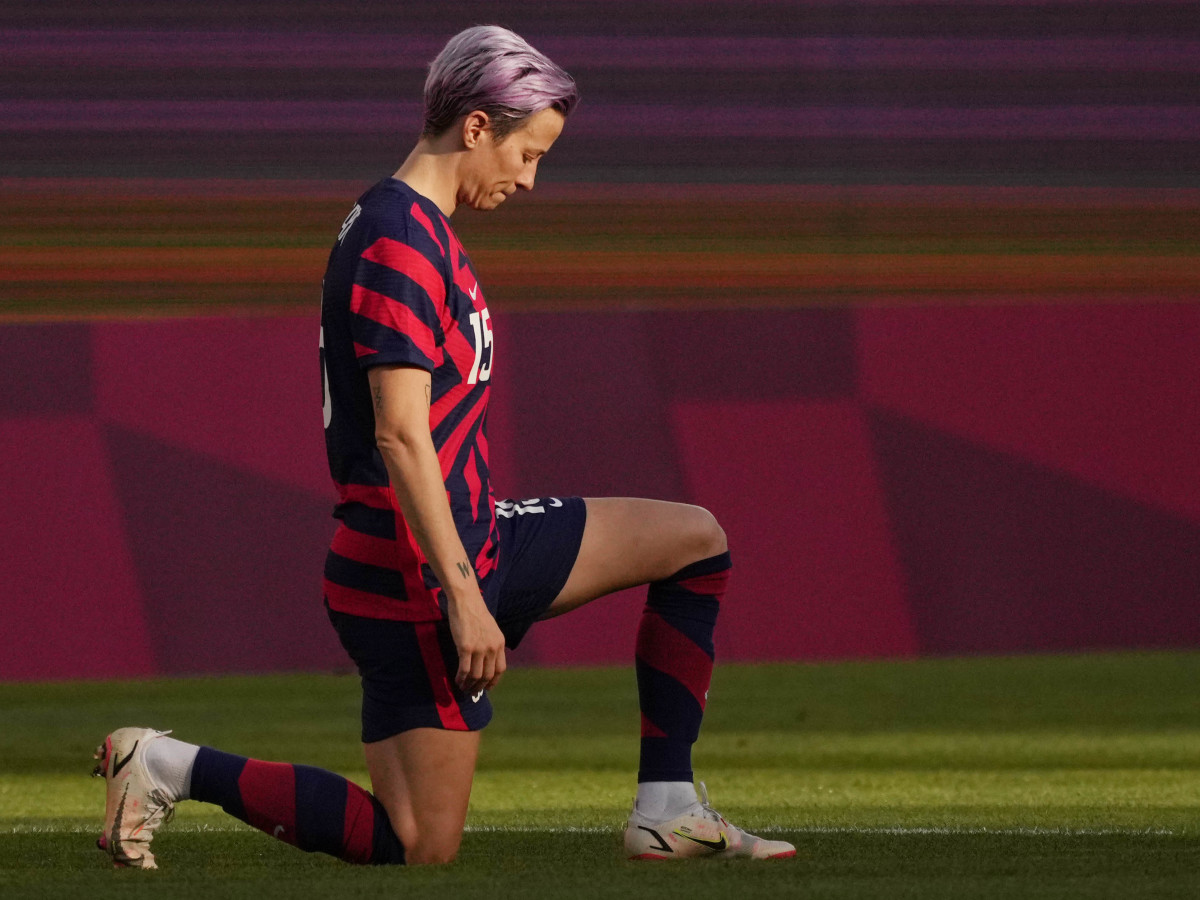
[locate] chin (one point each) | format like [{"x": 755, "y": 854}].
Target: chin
[{"x": 485, "y": 204}]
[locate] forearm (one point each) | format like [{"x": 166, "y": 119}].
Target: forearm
[
  {"x": 401, "y": 398},
  {"x": 416, "y": 477}
]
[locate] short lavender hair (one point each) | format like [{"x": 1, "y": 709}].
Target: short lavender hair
[{"x": 491, "y": 69}]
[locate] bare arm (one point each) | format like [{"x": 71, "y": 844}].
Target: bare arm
[{"x": 400, "y": 396}]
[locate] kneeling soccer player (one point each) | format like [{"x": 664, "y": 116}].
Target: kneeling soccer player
[{"x": 429, "y": 578}]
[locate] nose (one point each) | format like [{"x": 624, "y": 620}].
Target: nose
[{"x": 527, "y": 176}]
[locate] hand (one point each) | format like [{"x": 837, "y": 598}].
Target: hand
[{"x": 480, "y": 644}]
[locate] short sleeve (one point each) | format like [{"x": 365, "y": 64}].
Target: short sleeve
[{"x": 397, "y": 299}]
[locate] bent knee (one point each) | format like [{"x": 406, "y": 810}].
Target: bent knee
[
  {"x": 431, "y": 846},
  {"x": 431, "y": 853},
  {"x": 709, "y": 535}
]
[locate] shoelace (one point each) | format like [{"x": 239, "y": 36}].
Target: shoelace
[
  {"x": 165, "y": 807},
  {"x": 708, "y": 811},
  {"x": 160, "y": 813},
  {"x": 735, "y": 835}
]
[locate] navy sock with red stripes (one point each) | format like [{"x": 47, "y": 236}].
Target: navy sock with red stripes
[
  {"x": 674, "y": 665},
  {"x": 310, "y": 808}
]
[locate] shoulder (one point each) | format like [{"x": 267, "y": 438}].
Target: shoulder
[{"x": 394, "y": 213}]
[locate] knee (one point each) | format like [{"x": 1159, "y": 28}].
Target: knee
[
  {"x": 709, "y": 535},
  {"x": 423, "y": 846},
  {"x": 431, "y": 852}
]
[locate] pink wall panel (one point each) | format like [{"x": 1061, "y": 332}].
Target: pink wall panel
[
  {"x": 795, "y": 486},
  {"x": 71, "y": 602},
  {"x": 893, "y": 481},
  {"x": 245, "y": 391},
  {"x": 1106, "y": 393},
  {"x": 600, "y": 633}
]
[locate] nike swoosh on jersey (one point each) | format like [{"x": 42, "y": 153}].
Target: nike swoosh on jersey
[{"x": 711, "y": 845}]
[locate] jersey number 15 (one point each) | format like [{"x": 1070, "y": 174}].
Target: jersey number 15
[{"x": 482, "y": 323}]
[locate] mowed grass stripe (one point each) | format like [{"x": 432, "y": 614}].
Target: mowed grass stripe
[
  {"x": 1027, "y": 777},
  {"x": 1127, "y": 799}
]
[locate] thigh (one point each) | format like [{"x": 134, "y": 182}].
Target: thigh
[
  {"x": 407, "y": 671},
  {"x": 423, "y": 779},
  {"x": 628, "y": 542}
]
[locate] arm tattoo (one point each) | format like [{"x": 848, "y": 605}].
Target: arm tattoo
[
  {"x": 428, "y": 401},
  {"x": 464, "y": 569},
  {"x": 378, "y": 398}
]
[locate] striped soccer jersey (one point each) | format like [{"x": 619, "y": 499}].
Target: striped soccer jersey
[{"x": 399, "y": 289}]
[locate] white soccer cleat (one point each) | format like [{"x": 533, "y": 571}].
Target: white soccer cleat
[
  {"x": 135, "y": 805},
  {"x": 701, "y": 831}
]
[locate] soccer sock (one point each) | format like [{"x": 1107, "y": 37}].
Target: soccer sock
[
  {"x": 169, "y": 763},
  {"x": 674, "y": 665},
  {"x": 315, "y": 810},
  {"x": 662, "y": 800}
]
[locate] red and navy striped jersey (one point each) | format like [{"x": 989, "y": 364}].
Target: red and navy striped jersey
[{"x": 399, "y": 289}]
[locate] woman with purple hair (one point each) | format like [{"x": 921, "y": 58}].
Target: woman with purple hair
[{"x": 429, "y": 578}]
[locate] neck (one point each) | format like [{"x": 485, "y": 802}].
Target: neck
[{"x": 431, "y": 170}]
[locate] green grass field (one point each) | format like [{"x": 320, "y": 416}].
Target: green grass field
[{"x": 1032, "y": 777}]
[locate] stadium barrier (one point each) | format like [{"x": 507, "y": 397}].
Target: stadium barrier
[{"x": 894, "y": 481}]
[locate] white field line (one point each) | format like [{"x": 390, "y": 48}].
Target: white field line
[
  {"x": 845, "y": 829},
  {"x": 1032, "y": 830},
  {"x": 604, "y": 829}
]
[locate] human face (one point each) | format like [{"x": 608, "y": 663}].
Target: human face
[{"x": 494, "y": 170}]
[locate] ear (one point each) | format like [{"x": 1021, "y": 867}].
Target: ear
[{"x": 473, "y": 128}]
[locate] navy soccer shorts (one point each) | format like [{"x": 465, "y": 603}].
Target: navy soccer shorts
[{"x": 408, "y": 668}]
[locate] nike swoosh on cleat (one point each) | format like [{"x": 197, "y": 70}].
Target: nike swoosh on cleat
[
  {"x": 121, "y": 763},
  {"x": 114, "y": 838},
  {"x": 662, "y": 845},
  {"x": 711, "y": 845}
]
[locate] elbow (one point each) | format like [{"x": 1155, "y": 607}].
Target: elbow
[
  {"x": 386, "y": 440},
  {"x": 398, "y": 442}
]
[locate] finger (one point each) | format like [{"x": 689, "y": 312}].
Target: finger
[
  {"x": 489, "y": 670},
  {"x": 501, "y": 668},
  {"x": 464, "y": 670},
  {"x": 478, "y": 665}
]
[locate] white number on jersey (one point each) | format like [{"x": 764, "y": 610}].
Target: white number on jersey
[
  {"x": 509, "y": 508},
  {"x": 349, "y": 223},
  {"x": 327, "y": 403},
  {"x": 482, "y": 323}
]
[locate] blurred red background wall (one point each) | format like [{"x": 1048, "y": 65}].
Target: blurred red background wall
[
  {"x": 894, "y": 481},
  {"x": 905, "y": 292}
]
